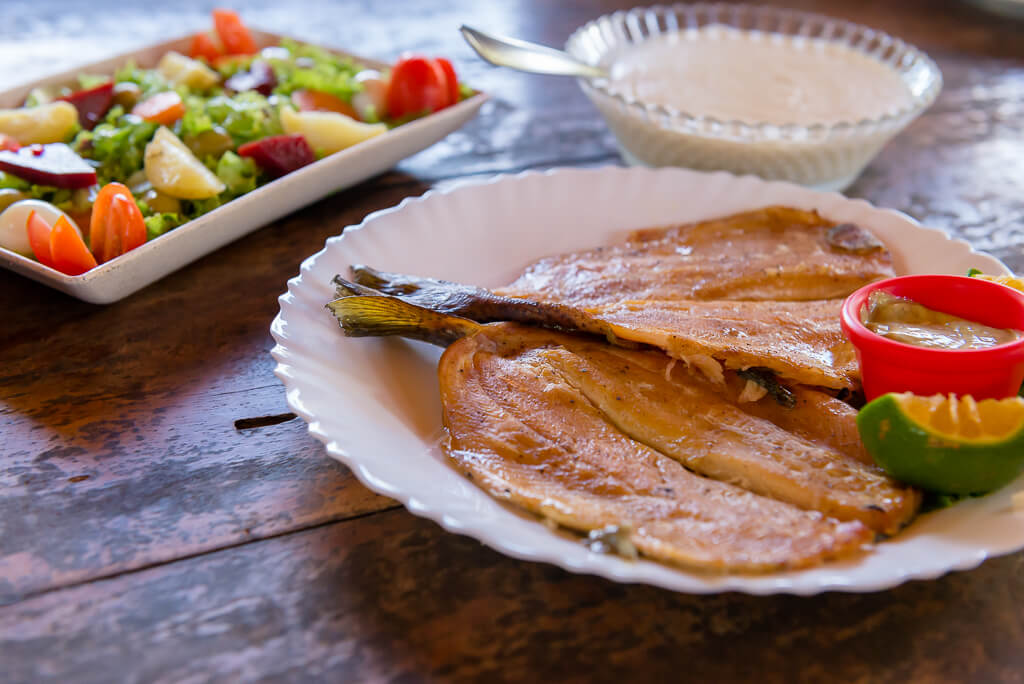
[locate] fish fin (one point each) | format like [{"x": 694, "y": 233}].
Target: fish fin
[{"x": 381, "y": 315}]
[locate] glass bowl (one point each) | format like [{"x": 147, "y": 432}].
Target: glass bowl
[{"x": 822, "y": 156}]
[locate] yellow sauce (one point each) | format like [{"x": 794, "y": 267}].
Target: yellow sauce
[{"x": 907, "y": 321}]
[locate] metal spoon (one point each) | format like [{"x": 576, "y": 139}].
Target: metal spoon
[{"x": 531, "y": 57}]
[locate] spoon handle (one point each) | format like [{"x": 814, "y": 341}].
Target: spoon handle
[{"x": 524, "y": 56}]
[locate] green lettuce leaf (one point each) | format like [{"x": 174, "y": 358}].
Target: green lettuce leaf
[
  {"x": 61, "y": 197},
  {"x": 312, "y": 68},
  {"x": 87, "y": 81},
  {"x": 240, "y": 174},
  {"x": 117, "y": 148},
  {"x": 158, "y": 224},
  {"x": 246, "y": 116}
]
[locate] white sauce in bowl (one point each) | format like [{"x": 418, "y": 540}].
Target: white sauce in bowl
[{"x": 758, "y": 77}]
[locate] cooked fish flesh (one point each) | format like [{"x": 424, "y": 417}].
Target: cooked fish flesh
[
  {"x": 591, "y": 435},
  {"x": 526, "y": 435},
  {"x": 776, "y": 253},
  {"x": 801, "y": 341},
  {"x": 709, "y": 431}
]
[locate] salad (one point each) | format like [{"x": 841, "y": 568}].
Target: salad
[{"x": 94, "y": 170}]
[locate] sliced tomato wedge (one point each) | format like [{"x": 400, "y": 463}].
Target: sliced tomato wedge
[
  {"x": 232, "y": 32},
  {"x": 417, "y": 85},
  {"x": 39, "y": 238},
  {"x": 204, "y": 46},
  {"x": 453, "y": 80},
  {"x": 319, "y": 101},
  {"x": 69, "y": 253},
  {"x": 127, "y": 220},
  {"x": 163, "y": 108},
  {"x": 117, "y": 225}
]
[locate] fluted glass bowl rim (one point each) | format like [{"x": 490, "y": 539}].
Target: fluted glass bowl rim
[{"x": 917, "y": 70}]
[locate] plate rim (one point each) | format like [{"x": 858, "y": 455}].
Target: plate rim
[{"x": 362, "y": 467}]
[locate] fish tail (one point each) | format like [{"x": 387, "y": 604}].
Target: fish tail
[
  {"x": 392, "y": 283},
  {"x": 365, "y": 315},
  {"x": 346, "y": 288},
  {"x": 478, "y": 304}
]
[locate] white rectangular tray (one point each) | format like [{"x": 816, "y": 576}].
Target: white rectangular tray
[{"x": 144, "y": 265}]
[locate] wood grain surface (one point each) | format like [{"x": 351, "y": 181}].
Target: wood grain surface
[{"x": 164, "y": 518}]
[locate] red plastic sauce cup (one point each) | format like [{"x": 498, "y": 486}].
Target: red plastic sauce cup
[{"x": 890, "y": 366}]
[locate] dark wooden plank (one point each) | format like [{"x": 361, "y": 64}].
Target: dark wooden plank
[
  {"x": 393, "y": 598},
  {"x": 141, "y": 398},
  {"x": 122, "y": 451},
  {"x": 959, "y": 166}
]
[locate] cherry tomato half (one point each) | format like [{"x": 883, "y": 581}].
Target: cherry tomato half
[
  {"x": 317, "y": 101},
  {"x": 68, "y": 251},
  {"x": 233, "y": 33},
  {"x": 453, "y": 81},
  {"x": 163, "y": 108},
  {"x": 117, "y": 225},
  {"x": 204, "y": 46},
  {"x": 419, "y": 85},
  {"x": 60, "y": 247},
  {"x": 39, "y": 238}
]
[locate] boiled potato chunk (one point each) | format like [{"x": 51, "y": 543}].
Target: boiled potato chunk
[
  {"x": 48, "y": 123},
  {"x": 328, "y": 132},
  {"x": 173, "y": 170},
  {"x": 179, "y": 69}
]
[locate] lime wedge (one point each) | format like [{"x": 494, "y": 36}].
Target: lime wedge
[{"x": 946, "y": 444}]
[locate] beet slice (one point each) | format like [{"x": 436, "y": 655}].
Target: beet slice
[
  {"x": 92, "y": 104},
  {"x": 279, "y": 154},
  {"x": 260, "y": 77},
  {"x": 55, "y": 164}
]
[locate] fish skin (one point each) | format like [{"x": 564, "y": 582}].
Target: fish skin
[
  {"x": 526, "y": 435},
  {"x": 774, "y": 253}
]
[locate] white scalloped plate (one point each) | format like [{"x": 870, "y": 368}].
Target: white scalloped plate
[
  {"x": 140, "y": 267},
  {"x": 374, "y": 402}
]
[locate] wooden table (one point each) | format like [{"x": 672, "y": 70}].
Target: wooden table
[{"x": 163, "y": 517}]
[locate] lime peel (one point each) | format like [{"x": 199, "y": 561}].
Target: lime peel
[{"x": 946, "y": 444}]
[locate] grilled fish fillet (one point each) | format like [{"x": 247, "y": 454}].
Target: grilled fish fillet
[
  {"x": 706, "y": 429},
  {"x": 776, "y": 253},
  {"x": 801, "y": 341},
  {"x": 590, "y": 435},
  {"x": 526, "y": 435}
]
